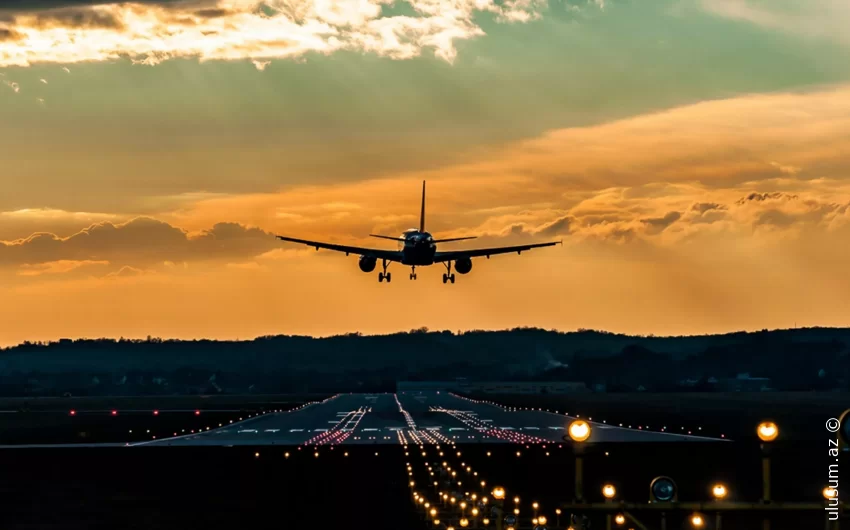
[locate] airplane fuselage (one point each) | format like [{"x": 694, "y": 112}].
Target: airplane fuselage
[{"x": 418, "y": 248}]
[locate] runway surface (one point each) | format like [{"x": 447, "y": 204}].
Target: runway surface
[{"x": 407, "y": 417}]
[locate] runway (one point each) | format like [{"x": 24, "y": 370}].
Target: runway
[{"x": 411, "y": 417}]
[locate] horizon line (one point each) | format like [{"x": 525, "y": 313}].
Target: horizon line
[{"x": 423, "y": 330}]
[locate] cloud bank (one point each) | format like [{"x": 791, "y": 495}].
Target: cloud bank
[
  {"x": 152, "y": 32},
  {"x": 139, "y": 242}
]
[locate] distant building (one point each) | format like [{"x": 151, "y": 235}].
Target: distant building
[
  {"x": 493, "y": 387},
  {"x": 744, "y": 383},
  {"x": 535, "y": 387},
  {"x": 426, "y": 386}
]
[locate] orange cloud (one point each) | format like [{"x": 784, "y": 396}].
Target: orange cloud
[
  {"x": 622, "y": 177},
  {"x": 138, "y": 241},
  {"x": 246, "y": 29},
  {"x": 57, "y": 267},
  {"x": 717, "y": 216}
]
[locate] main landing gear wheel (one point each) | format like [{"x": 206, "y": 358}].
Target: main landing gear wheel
[
  {"x": 449, "y": 276},
  {"x": 413, "y": 273},
  {"x": 385, "y": 275}
]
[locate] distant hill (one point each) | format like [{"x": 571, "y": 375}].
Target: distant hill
[{"x": 795, "y": 359}]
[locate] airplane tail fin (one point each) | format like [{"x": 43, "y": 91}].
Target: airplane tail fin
[
  {"x": 422, "y": 213},
  {"x": 454, "y": 239}
]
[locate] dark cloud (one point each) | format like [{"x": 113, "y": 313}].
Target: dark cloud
[
  {"x": 213, "y": 12},
  {"x": 593, "y": 220},
  {"x": 775, "y": 218},
  {"x": 7, "y": 34},
  {"x": 703, "y": 207},
  {"x": 38, "y": 5},
  {"x": 139, "y": 242},
  {"x": 761, "y": 197},
  {"x": 815, "y": 213},
  {"x": 517, "y": 229},
  {"x": 658, "y": 224},
  {"x": 77, "y": 18},
  {"x": 559, "y": 226},
  {"x": 622, "y": 235}
]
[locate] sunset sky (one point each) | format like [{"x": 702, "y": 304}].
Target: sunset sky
[{"x": 693, "y": 155}]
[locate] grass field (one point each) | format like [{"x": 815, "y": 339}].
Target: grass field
[
  {"x": 91, "y": 419},
  {"x": 800, "y": 415},
  {"x": 155, "y": 402}
]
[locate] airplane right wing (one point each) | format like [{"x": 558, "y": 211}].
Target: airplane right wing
[
  {"x": 460, "y": 254},
  {"x": 389, "y": 255}
]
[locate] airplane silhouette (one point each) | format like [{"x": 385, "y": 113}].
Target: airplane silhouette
[{"x": 417, "y": 248}]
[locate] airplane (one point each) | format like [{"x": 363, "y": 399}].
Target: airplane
[{"x": 417, "y": 248}]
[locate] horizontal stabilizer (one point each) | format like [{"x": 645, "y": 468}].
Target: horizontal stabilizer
[
  {"x": 454, "y": 239},
  {"x": 391, "y": 238}
]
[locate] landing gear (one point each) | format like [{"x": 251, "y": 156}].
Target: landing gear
[
  {"x": 413, "y": 272},
  {"x": 385, "y": 275},
  {"x": 448, "y": 276}
]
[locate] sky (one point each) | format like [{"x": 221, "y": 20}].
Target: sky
[{"x": 693, "y": 156}]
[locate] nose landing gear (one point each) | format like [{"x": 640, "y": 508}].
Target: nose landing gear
[{"x": 413, "y": 272}]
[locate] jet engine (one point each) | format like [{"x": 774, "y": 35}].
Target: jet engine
[
  {"x": 463, "y": 265},
  {"x": 367, "y": 263}
]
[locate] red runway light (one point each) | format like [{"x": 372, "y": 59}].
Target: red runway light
[
  {"x": 197, "y": 413},
  {"x": 156, "y": 413},
  {"x": 114, "y": 412},
  {"x": 73, "y": 413}
]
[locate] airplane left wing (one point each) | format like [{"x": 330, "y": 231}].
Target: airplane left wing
[
  {"x": 460, "y": 254},
  {"x": 389, "y": 255}
]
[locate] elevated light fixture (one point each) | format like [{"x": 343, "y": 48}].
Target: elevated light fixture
[
  {"x": 767, "y": 431},
  {"x": 579, "y": 431}
]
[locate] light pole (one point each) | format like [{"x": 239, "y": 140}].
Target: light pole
[
  {"x": 719, "y": 492},
  {"x": 608, "y": 491},
  {"x": 663, "y": 489},
  {"x": 830, "y": 497},
  {"x": 767, "y": 432},
  {"x": 579, "y": 432},
  {"x": 498, "y": 494}
]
